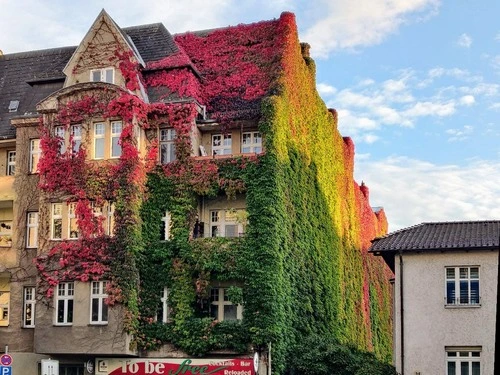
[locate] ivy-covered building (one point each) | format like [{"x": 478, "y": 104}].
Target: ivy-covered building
[{"x": 179, "y": 203}]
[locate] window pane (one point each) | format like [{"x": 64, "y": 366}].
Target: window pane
[
  {"x": 104, "y": 312},
  {"x": 231, "y": 231},
  {"x": 464, "y": 292},
  {"x": 230, "y": 312},
  {"x": 60, "y": 311},
  {"x": 474, "y": 291},
  {"x": 99, "y": 148},
  {"x": 116, "y": 149},
  {"x": 109, "y": 76},
  {"x": 70, "y": 311},
  {"x": 476, "y": 368},
  {"x": 450, "y": 292},
  {"x": 96, "y": 75},
  {"x": 474, "y": 273},
  {"x": 95, "y": 309},
  {"x": 464, "y": 368},
  {"x": 451, "y": 368},
  {"x": 57, "y": 230},
  {"x": 464, "y": 273}
]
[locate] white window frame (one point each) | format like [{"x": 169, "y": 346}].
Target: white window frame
[
  {"x": 218, "y": 300},
  {"x": 254, "y": 143},
  {"x": 60, "y": 133},
  {"x": 456, "y": 356},
  {"x": 167, "y": 145},
  {"x": 56, "y": 211},
  {"x": 65, "y": 294},
  {"x": 11, "y": 163},
  {"x": 99, "y": 295},
  {"x": 221, "y": 219},
  {"x": 29, "y": 302},
  {"x": 32, "y": 228},
  {"x": 76, "y": 137},
  {"x": 457, "y": 276},
  {"x": 167, "y": 226},
  {"x": 35, "y": 153},
  {"x": 73, "y": 232},
  {"x": 164, "y": 313},
  {"x": 114, "y": 154},
  {"x": 222, "y": 144},
  {"x": 103, "y": 75},
  {"x": 99, "y": 137}
]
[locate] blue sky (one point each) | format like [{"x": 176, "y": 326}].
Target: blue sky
[{"x": 416, "y": 84}]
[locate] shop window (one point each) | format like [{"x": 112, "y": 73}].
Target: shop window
[{"x": 4, "y": 301}]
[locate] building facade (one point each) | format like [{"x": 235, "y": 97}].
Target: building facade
[
  {"x": 179, "y": 203},
  {"x": 445, "y": 296}
]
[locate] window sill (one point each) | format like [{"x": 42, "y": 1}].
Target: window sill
[
  {"x": 463, "y": 306},
  {"x": 96, "y": 324},
  {"x": 63, "y": 325}
]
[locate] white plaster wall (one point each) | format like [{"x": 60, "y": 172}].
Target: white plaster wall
[{"x": 429, "y": 326}]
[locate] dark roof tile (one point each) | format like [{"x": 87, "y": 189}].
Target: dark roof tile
[{"x": 441, "y": 236}]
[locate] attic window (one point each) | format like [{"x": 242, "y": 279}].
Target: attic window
[
  {"x": 13, "y": 105},
  {"x": 103, "y": 75}
]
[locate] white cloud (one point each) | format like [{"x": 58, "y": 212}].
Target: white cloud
[
  {"x": 495, "y": 106},
  {"x": 326, "y": 89},
  {"x": 414, "y": 191},
  {"x": 467, "y": 100},
  {"x": 347, "y": 24},
  {"x": 495, "y": 62},
  {"x": 464, "y": 41},
  {"x": 457, "y": 135},
  {"x": 497, "y": 37},
  {"x": 428, "y": 108}
]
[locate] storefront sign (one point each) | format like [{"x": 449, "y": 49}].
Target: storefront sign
[{"x": 175, "y": 366}]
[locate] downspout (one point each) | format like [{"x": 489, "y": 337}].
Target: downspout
[{"x": 401, "y": 312}]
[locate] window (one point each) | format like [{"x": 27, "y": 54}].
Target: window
[
  {"x": 462, "y": 286},
  {"x": 34, "y": 155},
  {"x": 64, "y": 303},
  {"x": 221, "y": 144},
  {"x": 60, "y": 133},
  {"x": 226, "y": 223},
  {"x": 11, "y": 163},
  {"x": 13, "y": 105},
  {"x": 108, "y": 221},
  {"x": 4, "y": 301},
  {"x": 63, "y": 221},
  {"x": 32, "y": 229},
  {"x": 76, "y": 138},
  {"x": 107, "y": 139},
  {"x": 167, "y": 146},
  {"x": 251, "y": 142},
  {"x": 221, "y": 308},
  {"x": 98, "y": 303},
  {"x": 5, "y": 233},
  {"x": 163, "y": 314},
  {"x": 99, "y": 134},
  {"x": 463, "y": 362},
  {"x": 103, "y": 75},
  {"x": 72, "y": 225},
  {"x": 116, "y": 131},
  {"x": 165, "y": 227},
  {"x": 29, "y": 307}
]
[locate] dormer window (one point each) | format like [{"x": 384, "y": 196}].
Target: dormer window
[
  {"x": 13, "y": 105},
  {"x": 103, "y": 75}
]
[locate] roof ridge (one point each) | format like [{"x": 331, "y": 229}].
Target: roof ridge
[
  {"x": 143, "y": 26},
  {"x": 31, "y": 53}
]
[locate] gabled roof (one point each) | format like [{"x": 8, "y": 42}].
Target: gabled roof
[
  {"x": 439, "y": 236},
  {"x": 457, "y": 235},
  {"x": 153, "y": 41}
]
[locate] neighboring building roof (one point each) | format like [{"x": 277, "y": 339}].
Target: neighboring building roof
[
  {"x": 439, "y": 236},
  {"x": 29, "y": 77}
]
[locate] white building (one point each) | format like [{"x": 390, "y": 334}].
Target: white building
[{"x": 445, "y": 296}]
